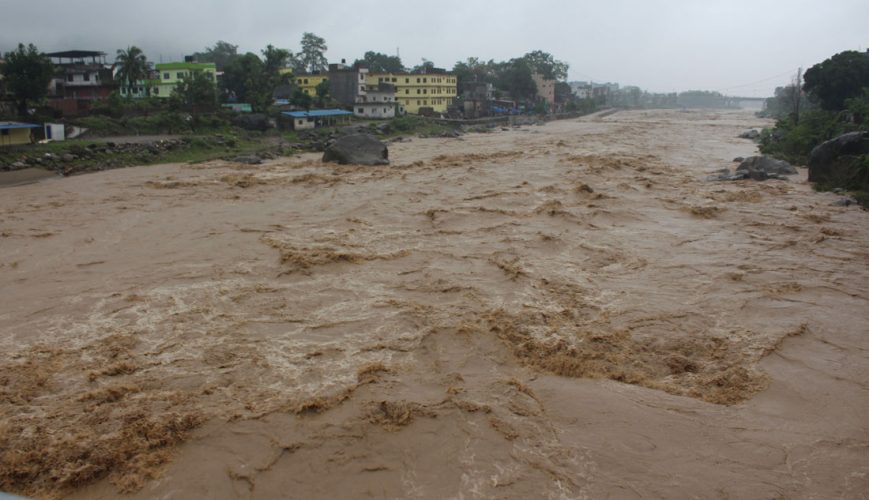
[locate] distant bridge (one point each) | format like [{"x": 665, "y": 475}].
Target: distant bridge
[{"x": 757, "y": 103}]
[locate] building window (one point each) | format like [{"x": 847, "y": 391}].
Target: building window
[
  {"x": 179, "y": 75},
  {"x": 394, "y": 80},
  {"x": 425, "y": 91},
  {"x": 69, "y": 78},
  {"x": 165, "y": 76},
  {"x": 407, "y": 91},
  {"x": 87, "y": 77},
  {"x": 360, "y": 110},
  {"x": 301, "y": 122},
  {"x": 156, "y": 90},
  {"x": 306, "y": 81}
]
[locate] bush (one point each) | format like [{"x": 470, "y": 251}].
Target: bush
[
  {"x": 407, "y": 123},
  {"x": 164, "y": 122},
  {"x": 793, "y": 142}
]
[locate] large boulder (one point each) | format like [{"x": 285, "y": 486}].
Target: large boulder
[
  {"x": 761, "y": 168},
  {"x": 360, "y": 149},
  {"x": 832, "y": 161}
]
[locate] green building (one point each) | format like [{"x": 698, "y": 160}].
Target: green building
[{"x": 172, "y": 73}]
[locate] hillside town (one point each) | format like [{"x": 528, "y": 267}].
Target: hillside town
[{"x": 295, "y": 91}]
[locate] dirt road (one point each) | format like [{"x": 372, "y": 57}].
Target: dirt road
[{"x": 565, "y": 311}]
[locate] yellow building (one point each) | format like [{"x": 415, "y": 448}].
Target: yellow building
[
  {"x": 307, "y": 82},
  {"x": 414, "y": 91},
  {"x": 15, "y": 133}
]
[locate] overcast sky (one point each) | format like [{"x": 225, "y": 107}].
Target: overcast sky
[{"x": 739, "y": 47}]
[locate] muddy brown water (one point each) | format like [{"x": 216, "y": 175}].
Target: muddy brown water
[
  {"x": 565, "y": 311},
  {"x": 24, "y": 176}
]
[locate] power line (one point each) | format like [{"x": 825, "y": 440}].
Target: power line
[{"x": 785, "y": 73}]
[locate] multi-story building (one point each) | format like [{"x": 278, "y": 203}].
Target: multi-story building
[
  {"x": 377, "y": 102},
  {"x": 170, "y": 74},
  {"x": 81, "y": 77},
  {"x": 351, "y": 87},
  {"x": 414, "y": 91},
  {"x": 545, "y": 90},
  {"x": 347, "y": 83}
]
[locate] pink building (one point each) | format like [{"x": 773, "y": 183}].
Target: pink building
[{"x": 545, "y": 89}]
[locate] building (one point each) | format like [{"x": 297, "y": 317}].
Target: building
[
  {"x": 170, "y": 74},
  {"x": 140, "y": 88},
  {"x": 300, "y": 120},
  {"x": 433, "y": 91},
  {"x": 476, "y": 99},
  {"x": 15, "y": 133},
  {"x": 82, "y": 77},
  {"x": 306, "y": 82},
  {"x": 347, "y": 84},
  {"x": 377, "y": 102},
  {"x": 545, "y": 90}
]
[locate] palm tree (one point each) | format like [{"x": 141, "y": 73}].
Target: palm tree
[{"x": 133, "y": 66}]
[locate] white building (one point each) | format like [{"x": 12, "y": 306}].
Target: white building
[{"x": 376, "y": 102}]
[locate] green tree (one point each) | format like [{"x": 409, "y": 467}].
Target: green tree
[
  {"x": 246, "y": 78},
  {"x": 322, "y": 93},
  {"x": 381, "y": 63},
  {"x": 563, "y": 93},
  {"x": 838, "y": 78},
  {"x": 275, "y": 59},
  {"x": 133, "y": 66},
  {"x": 221, "y": 54},
  {"x": 543, "y": 63},
  {"x": 786, "y": 101},
  {"x": 474, "y": 70},
  {"x": 28, "y": 73},
  {"x": 514, "y": 76},
  {"x": 301, "y": 99},
  {"x": 313, "y": 58},
  {"x": 196, "y": 93}
]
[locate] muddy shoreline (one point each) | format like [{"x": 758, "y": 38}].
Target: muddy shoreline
[{"x": 560, "y": 311}]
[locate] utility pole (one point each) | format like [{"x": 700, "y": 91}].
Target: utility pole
[{"x": 798, "y": 95}]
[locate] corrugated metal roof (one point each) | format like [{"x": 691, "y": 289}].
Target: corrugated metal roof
[
  {"x": 9, "y": 125},
  {"x": 317, "y": 113}
]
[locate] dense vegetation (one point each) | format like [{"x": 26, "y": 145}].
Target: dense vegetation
[{"x": 833, "y": 100}]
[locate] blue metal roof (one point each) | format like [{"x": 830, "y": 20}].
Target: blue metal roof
[
  {"x": 8, "y": 125},
  {"x": 317, "y": 113}
]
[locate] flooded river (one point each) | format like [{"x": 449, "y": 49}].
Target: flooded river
[{"x": 557, "y": 311}]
